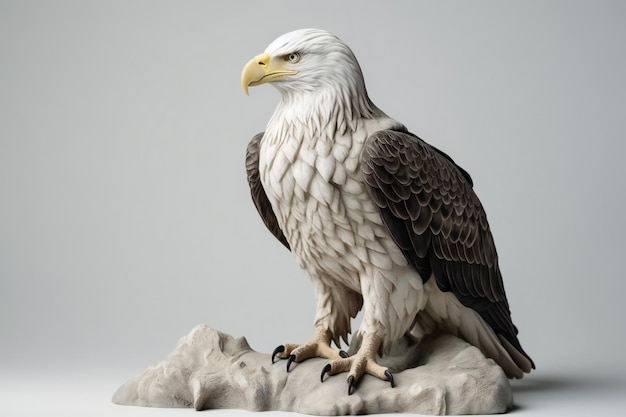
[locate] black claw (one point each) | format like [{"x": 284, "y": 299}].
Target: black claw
[
  {"x": 278, "y": 350},
  {"x": 326, "y": 370},
  {"x": 292, "y": 358},
  {"x": 389, "y": 376},
  {"x": 351, "y": 384},
  {"x": 343, "y": 354}
]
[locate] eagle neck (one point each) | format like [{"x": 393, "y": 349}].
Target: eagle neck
[{"x": 321, "y": 114}]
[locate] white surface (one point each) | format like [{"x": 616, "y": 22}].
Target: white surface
[{"x": 125, "y": 218}]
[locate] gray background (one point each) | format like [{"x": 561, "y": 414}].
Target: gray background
[{"x": 125, "y": 217}]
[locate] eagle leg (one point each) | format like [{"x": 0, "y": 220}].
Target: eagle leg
[
  {"x": 361, "y": 363},
  {"x": 318, "y": 346}
]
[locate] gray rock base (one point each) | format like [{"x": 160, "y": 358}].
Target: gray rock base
[{"x": 210, "y": 370}]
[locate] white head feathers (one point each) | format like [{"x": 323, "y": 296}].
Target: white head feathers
[{"x": 329, "y": 80}]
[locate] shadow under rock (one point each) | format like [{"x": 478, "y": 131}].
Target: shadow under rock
[{"x": 564, "y": 384}]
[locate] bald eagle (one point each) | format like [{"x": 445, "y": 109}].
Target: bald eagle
[{"x": 376, "y": 217}]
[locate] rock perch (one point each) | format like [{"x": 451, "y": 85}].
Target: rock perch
[{"x": 213, "y": 370}]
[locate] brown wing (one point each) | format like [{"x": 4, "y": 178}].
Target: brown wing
[
  {"x": 262, "y": 203},
  {"x": 432, "y": 213}
]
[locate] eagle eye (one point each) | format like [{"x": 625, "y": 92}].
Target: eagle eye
[{"x": 293, "y": 58}]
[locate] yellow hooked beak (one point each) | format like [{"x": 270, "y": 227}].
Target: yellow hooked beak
[{"x": 261, "y": 70}]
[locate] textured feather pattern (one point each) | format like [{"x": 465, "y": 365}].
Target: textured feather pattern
[
  {"x": 428, "y": 204},
  {"x": 316, "y": 189}
]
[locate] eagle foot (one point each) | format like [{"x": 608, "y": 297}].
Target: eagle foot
[
  {"x": 357, "y": 366},
  {"x": 318, "y": 346}
]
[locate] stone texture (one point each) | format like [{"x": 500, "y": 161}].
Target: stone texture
[{"x": 210, "y": 370}]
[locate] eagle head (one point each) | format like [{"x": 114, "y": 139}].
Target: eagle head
[
  {"x": 305, "y": 61},
  {"x": 315, "y": 72}
]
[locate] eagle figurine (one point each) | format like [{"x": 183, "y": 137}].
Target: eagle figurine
[{"x": 377, "y": 218}]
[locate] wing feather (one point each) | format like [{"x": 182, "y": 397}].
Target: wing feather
[
  {"x": 431, "y": 211},
  {"x": 261, "y": 202}
]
